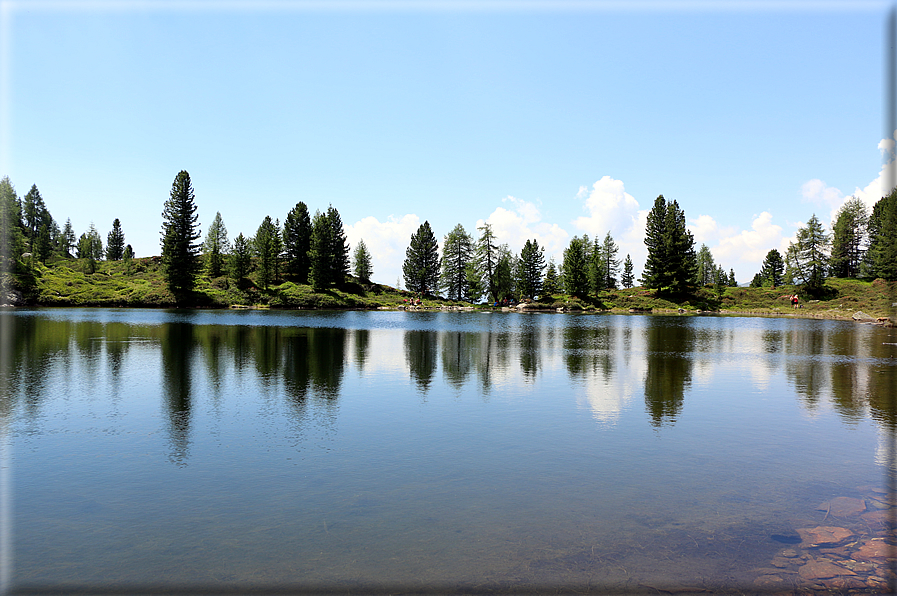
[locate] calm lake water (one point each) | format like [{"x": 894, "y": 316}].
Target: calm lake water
[{"x": 378, "y": 451}]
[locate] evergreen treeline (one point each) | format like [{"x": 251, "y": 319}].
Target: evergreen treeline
[{"x": 312, "y": 249}]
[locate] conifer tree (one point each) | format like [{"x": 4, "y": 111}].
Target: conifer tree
[
  {"x": 882, "y": 253},
  {"x": 319, "y": 252},
  {"x": 808, "y": 258},
  {"x": 473, "y": 290},
  {"x": 216, "y": 247},
  {"x": 551, "y": 285},
  {"x": 180, "y": 252},
  {"x": 297, "y": 241},
  {"x": 240, "y": 258},
  {"x": 706, "y": 266},
  {"x": 421, "y": 266},
  {"x": 68, "y": 238},
  {"x": 487, "y": 258},
  {"x": 457, "y": 252},
  {"x": 115, "y": 242},
  {"x": 772, "y": 269},
  {"x": 35, "y": 212},
  {"x": 654, "y": 274},
  {"x": 609, "y": 250},
  {"x": 339, "y": 247},
  {"x": 627, "y": 279},
  {"x": 362, "y": 260},
  {"x": 265, "y": 245},
  {"x": 504, "y": 273},
  {"x": 849, "y": 235},
  {"x": 576, "y": 281},
  {"x": 42, "y": 245},
  {"x": 532, "y": 263},
  {"x": 672, "y": 262}
]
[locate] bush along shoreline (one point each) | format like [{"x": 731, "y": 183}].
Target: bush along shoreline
[{"x": 140, "y": 283}]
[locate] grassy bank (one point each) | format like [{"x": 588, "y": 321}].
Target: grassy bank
[{"x": 140, "y": 283}]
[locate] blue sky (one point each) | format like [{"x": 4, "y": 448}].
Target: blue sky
[{"x": 547, "y": 122}]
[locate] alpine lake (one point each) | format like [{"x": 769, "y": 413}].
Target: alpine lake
[{"x": 341, "y": 452}]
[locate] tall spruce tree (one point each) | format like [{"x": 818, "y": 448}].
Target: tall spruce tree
[
  {"x": 504, "y": 273},
  {"x": 216, "y": 247},
  {"x": 297, "y": 241},
  {"x": 421, "y": 266},
  {"x": 11, "y": 234},
  {"x": 576, "y": 282},
  {"x": 457, "y": 252},
  {"x": 240, "y": 258},
  {"x": 627, "y": 278},
  {"x": 882, "y": 254},
  {"x": 532, "y": 264},
  {"x": 551, "y": 284},
  {"x": 265, "y": 243},
  {"x": 115, "y": 242},
  {"x": 848, "y": 238},
  {"x": 655, "y": 272},
  {"x": 339, "y": 247},
  {"x": 68, "y": 239},
  {"x": 609, "y": 250},
  {"x": 180, "y": 231},
  {"x": 319, "y": 253},
  {"x": 35, "y": 212}
]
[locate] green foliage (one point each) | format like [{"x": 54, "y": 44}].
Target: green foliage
[
  {"x": 486, "y": 254},
  {"x": 807, "y": 259},
  {"x": 882, "y": 254},
  {"x": 457, "y": 253},
  {"x": 216, "y": 247},
  {"x": 68, "y": 238},
  {"x": 551, "y": 283},
  {"x": 34, "y": 212},
  {"x": 339, "y": 247},
  {"x": 267, "y": 250},
  {"x": 849, "y": 233},
  {"x": 297, "y": 241},
  {"x": 362, "y": 262},
  {"x": 627, "y": 279},
  {"x": 473, "y": 290},
  {"x": 532, "y": 263},
  {"x": 42, "y": 245},
  {"x": 90, "y": 248},
  {"x": 504, "y": 273},
  {"x": 11, "y": 235},
  {"x": 180, "y": 252},
  {"x": 115, "y": 242},
  {"x": 609, "y": 250},
  {"x": 706, "y": 267},
  {"x": 575, "y": 267},
  {"x": 772, "y": 269},
  {"x": 421, "y": 266},
  {"x": 240, "y": 259},
  {"x": 672, "y": 262},
  {"x": 329, "y": 250}
]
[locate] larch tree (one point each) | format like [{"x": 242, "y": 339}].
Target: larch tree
[
  {"x": 68, "y": 239},
  {"x": 706, "y": 267},
  {"x": 457, "y": 252},
  {"x": 808, "y": 258},
  {"x": 362, "y": 262},
  {"x": 180, "y": 231},
  {"x": 551, "y": 283},
  {"x": 609, "y": 250},
  {"x": 486, "y": 254},
  {"x": 216, "y": 247},
  {"x": 240, "y": 258},
  {"x": 421, "y": 266},
  {"x": 115, "y": 242}
]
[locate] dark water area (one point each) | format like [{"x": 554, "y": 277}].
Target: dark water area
[{"x": 380, "y": 452}]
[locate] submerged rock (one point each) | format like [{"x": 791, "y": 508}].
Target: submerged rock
[
  {"x": 843, "y": 506},
  {"x": 824, "y": 536},
  {"x": 875, "y": 549},
  {"x": 821, "y": 569}
]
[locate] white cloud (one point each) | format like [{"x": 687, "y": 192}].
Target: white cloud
[
  {"x": 744, "y": 251},
  {"x": 524, "y": 222},
  {"x": 818, "y": 192},
  {"x": 386, "y": 241}
]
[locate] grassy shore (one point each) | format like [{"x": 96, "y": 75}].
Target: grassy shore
[{"x": 140, "y": 283}]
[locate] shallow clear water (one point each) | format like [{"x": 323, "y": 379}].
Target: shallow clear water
[{"x": 432, "y": 451}]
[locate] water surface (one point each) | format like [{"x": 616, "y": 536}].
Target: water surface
[{"x": 429, "y": 451}]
